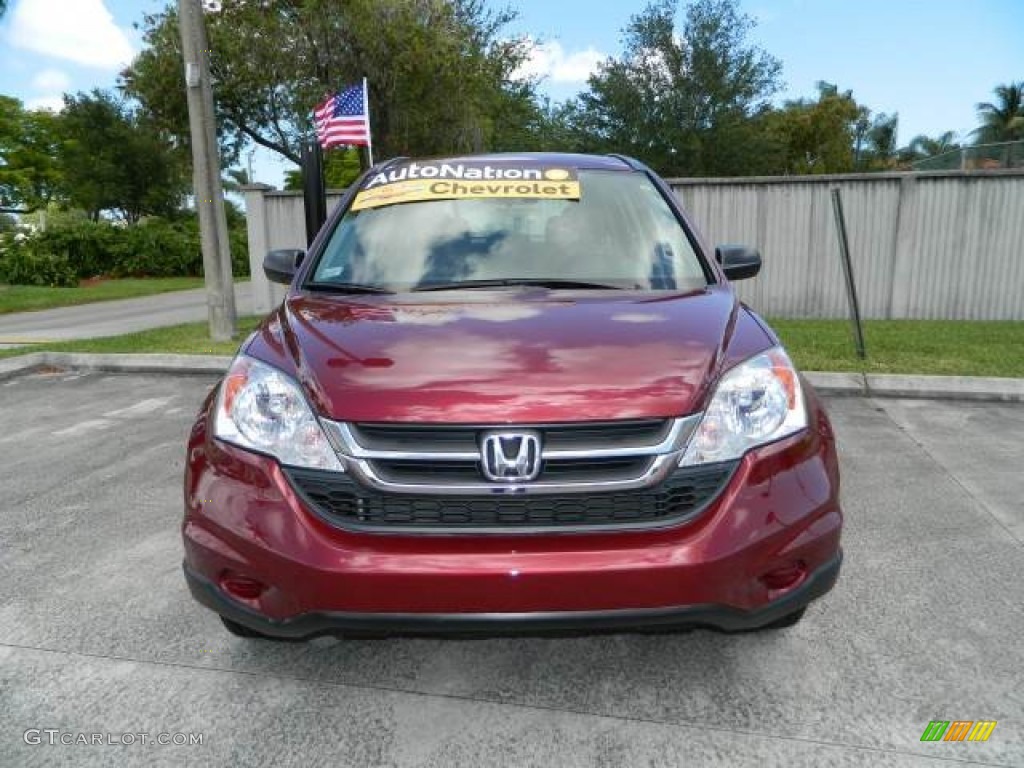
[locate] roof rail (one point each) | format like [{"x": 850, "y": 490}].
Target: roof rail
[{"x": 633, "y": 163}]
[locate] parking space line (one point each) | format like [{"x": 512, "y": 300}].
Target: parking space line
[
  {"x": 140, "y": 408},
  {"x": 949, "y": 472},
  {"x": 90, "y": 425}
]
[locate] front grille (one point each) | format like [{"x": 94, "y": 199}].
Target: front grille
[
  {"x": 430, "y": 438},
  {"x": 555, "y": 470},
  {"x": 435, "y": 448},
  {"x": 339, "y": 500}
]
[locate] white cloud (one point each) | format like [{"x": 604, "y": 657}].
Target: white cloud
[
  {"x": 551, "y": 61},
  {"x": 82, "y": 31},
  {"x": 52, "y": 103},
  {"x": 50, "y": 81}
]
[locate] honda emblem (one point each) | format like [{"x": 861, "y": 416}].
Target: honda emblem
[{"x": 510, "y": 457}]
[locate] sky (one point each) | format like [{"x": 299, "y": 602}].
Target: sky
[{"x": 930, "y": 61}]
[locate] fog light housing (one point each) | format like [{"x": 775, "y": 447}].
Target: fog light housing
[
  {"x": 785, "y": 577},
  {"x": 241, "y": 587}
]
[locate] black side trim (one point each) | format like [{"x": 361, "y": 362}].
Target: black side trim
[{"x": 489, "y": 624}]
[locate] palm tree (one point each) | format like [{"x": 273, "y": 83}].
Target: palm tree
[
  {"x": 925, "y": 146},
  {"x": 881, "y": 141},
  {"x": 1003, "y": 120},
  {"x": 235, "y": 178}
]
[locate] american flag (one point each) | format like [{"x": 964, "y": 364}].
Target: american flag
[{"x": 342, "y": 119}]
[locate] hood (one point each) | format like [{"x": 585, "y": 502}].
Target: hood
[{"x": 503, "y": 356}]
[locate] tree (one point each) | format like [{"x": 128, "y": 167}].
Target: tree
[
  {"x": 341, "y": 168},
  {"x": 440, "y": 72},
  {"x": 816, "y": 136},
  {"x": 234, "y": 179},
  {"x": 685, "y": 104},
  {"x": 553, "y": 127},
  {"x": 921, "y": 147},
  {"x": 113, "y": 159},
  {"x": 1002, "y": 120},
  {"x": 29, "y": 172},
  {"x": 881, "y": 152}
]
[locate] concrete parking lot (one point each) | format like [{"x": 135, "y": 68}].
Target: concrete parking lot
[{"x": 99, "y": 635}]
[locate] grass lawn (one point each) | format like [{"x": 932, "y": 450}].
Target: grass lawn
[
  {"x": 189, "y": 339},
  {"x": 894, "y": 346},
  {"x": 26, "y": 298},
  {"x": 940, "y": 347}
]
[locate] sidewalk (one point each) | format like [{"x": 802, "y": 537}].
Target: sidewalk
[{"x": 112, "y": 318}]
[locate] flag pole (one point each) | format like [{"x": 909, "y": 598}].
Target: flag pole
[{"x": 366, "y": 111}]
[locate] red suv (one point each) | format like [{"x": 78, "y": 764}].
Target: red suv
[{"x": 510, "y": 393}]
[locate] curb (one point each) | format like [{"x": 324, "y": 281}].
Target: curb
[
  {"x": 979, "y": 388},
  {"x": 945, "y": 387},
  {"x": 15, "y": 366},
  {"x": 834, "y": 383},
  {"x": 115, "y": 363}
]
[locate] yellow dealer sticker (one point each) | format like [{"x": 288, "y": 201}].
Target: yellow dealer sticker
[{"x": 417, "y": 182}]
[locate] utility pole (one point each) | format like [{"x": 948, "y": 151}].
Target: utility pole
[{"x": 209, "y": 196}]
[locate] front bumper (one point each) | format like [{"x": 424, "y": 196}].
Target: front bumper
[
  {"x": 779, "y": 510},
  {"x": 490, "y": 624}
]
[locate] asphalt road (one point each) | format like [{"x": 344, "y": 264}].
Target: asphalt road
[
  {"x": 98, "y": 634},
  {"x": 112, "y": 318}
]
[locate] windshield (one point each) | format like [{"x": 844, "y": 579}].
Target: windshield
[{"x": 620, "y": 233}]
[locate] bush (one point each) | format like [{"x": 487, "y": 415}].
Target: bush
[
  {"x": 239, "y": 239},
  {"x": 161, "y": 248},
  {"x": 85, "y": 245},
  {"x": 153, "y": 248},
  {"x": 158, "y": 248},
  {"x": 22, "y": 264}
]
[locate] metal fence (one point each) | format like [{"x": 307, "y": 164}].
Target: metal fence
[
  {"x": 986, "y": 157},
  {"x": 946, "y": 245},
  {"x": 937, "y": 245}
]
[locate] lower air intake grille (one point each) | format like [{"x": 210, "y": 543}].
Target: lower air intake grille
[{"x": 338, "y": 499}]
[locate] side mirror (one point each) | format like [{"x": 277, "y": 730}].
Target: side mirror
[
  {"x": 738, "y": 261},
  {"x": 279, "y": 266}
]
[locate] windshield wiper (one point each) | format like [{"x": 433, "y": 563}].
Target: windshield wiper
[
  {"x": 542, "y": 282},
  {"x": 329, "y": 287}
]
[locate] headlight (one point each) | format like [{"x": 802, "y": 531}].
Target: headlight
[
  {"x": 262, "y": 409},
  {"x": 756, "y": 402}
]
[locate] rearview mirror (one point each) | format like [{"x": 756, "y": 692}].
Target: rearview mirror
[
  {"x": 738, "y": 261},
  {"x": 279, "y": 266}
]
